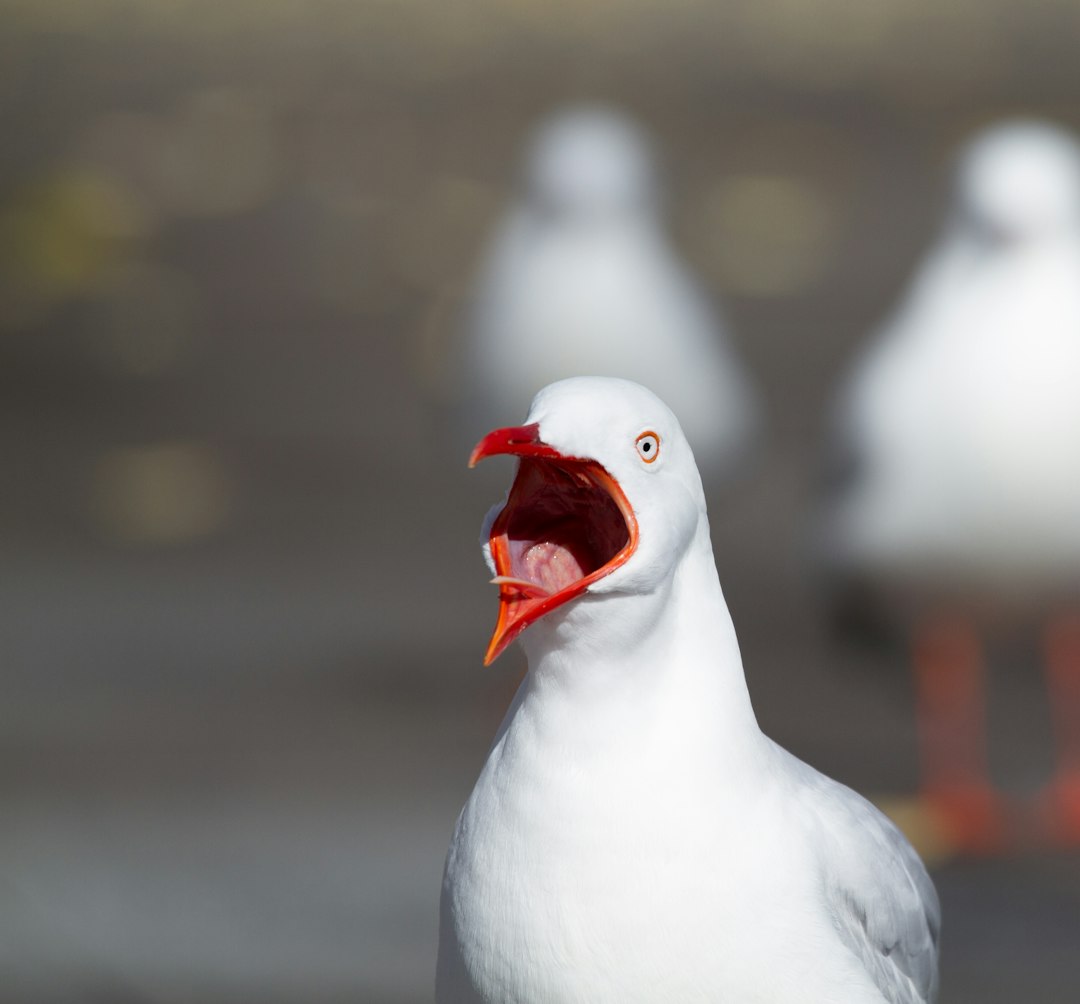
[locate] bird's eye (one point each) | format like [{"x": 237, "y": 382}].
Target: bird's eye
[{"x": 648, "y": 446}]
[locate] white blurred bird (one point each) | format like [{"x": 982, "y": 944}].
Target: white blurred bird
[
  {"x": 959, "y": 447},
  {"x": 581, "y": 278},
  {"x": 633, "y": 836}
]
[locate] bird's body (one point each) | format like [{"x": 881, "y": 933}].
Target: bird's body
[
  {"x": 581, "y": 278},
  {"x": 633, "y": 835},
  {"x": 960, "y": 437},
  {"x": 963, "y": 418}
]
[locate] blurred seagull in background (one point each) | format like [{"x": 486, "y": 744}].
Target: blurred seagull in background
[
  {"x": 633, "y": 835},
  {"x": 957, "y": 460},
  {"x": 581, "y": 278}
]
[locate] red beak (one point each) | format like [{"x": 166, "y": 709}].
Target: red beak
[
  {"x": 566, "y": 524},
  {"x": 519, "y": 440}
]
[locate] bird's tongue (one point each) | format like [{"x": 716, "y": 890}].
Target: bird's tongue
[{"x": 545, "y": 563}]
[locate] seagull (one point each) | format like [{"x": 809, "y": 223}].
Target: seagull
[
  {"x": 633, "y": 835},
  {"x": 956, "y": 444},
  {"x": 581, "y": 278}
]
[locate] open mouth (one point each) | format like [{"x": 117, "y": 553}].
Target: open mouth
[{"x": 566, "y": 524}]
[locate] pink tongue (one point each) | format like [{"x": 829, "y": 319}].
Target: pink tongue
[{"x": 549, "y": 565}]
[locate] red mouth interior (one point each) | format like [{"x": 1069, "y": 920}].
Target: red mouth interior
[
  {"x": 560, "y": 525},
  {"x": 565, "y": 525}
]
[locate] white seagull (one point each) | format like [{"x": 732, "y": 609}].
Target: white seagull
[
  {"x": 633, "y": 835},
  {"x": 581, "y": 278},
  {"x": 960, "y": 436}
]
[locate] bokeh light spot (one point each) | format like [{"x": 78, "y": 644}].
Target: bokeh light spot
[{"x": 164, "y": 493}]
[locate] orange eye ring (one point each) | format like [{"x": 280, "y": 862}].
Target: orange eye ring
[{"x": 648, "y": 446}]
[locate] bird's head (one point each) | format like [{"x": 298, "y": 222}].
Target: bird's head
[
  {"x": 606, "y": 499},
  {"x": 590, "y": 163},
  {"x": 1019, "y": 181}
]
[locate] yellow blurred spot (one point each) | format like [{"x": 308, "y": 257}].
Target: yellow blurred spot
[
  {"x": 60, "y": 236},
  {"x": 921, "y": 825},
  {"x": 166, "y": 493},
  {"x": 768, "y": 235}
]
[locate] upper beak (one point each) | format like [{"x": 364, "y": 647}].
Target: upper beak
[{"x": 518, "y": 440}]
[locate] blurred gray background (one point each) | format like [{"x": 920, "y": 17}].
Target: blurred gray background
[{"x": 241, "y": 698}]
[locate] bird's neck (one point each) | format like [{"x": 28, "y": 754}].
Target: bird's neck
[{"x": 623, "y": 666}]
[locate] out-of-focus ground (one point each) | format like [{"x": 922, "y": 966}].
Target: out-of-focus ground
[{"x": 241, "y": 698}]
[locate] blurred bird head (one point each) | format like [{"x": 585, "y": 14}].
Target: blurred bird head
[
  {"x": 606, "y": 500},
  {"x": 590, "y": 162},
  {"x": 1018, "y": 182}
]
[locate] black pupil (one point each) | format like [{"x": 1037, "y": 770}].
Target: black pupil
[{"x": 646, "y": 446}]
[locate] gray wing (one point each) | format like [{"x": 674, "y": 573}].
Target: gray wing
[{"x": 883, "y": 903}]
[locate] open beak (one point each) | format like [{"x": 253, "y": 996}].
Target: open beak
[{"x": 566, "y": 524}]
